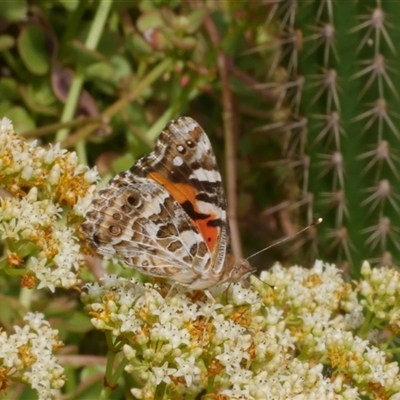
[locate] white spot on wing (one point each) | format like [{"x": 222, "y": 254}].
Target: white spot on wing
[
  {"x": 177, "y": 161},
  {"x": 206, "y": 175}
]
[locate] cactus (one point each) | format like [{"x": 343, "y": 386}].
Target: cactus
[{"x": 343, "y": 144}]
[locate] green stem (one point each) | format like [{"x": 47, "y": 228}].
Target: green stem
[
  {"x": 118, "y": 372},
  {"x": 110, "y": 356},
  {"x": 111, "y": 378},
  {"x": 98, "y": 24},
  {"x": 25, "y": 298},
  {"x": 76, "y": 86},
  {"x": 366, "y": 325},
  {"x": 108, "y": 378},
  {"x": 51, "y": 128},
  {"x": 70, "y": 104},
  {"x": 119, "y": 105},
  {"x": 160, "y": 391},
  {"x": 393, "y": 351},
  {"x": 105, "y": 393},
  {"x": 210, "y": 384}
]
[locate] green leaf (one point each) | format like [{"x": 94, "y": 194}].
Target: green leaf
[
  {"x": 123, "y": 163},
  {"x": 14, "y": 10},
  {"x": 40, "y": 99},
  {"x": 109, "y": 44},
  {"x": 149, "y": 20},
  {"x": 196, "y": 19},
  {"x": 187, "y": 43},
  {"x": 22, "y": 121},
  {"x": 137, "y": 46},
  {"x": 32, "y": 49},
  {"x": 70, "y": 5},
  {"x": 84, "y": 56},
  {"x": 122, "y": 67},
  {"x": 101, "y": 70},
  {"x": 9, "y": 89},
  {"x": 6, "y": 42}
]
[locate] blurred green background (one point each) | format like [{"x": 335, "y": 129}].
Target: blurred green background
[{"x": 299, "y": 99}]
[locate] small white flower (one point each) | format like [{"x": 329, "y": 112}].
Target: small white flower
[
  {"x": 54, "y": 174},
  {"x": 236, "y": 392},
  {"x": 92, "y": 176},
  {"x": 231, "y": 358},
  {"x": 233, "y": 351},
  {"x": 241, "y": 295},
  {"x": 187, "y": 368},
  {"x": 227, "y": 330},
  {"x": 129, "y": 323},
  {"x": 5, "y": 125},
  {"x": 170, "y": 333},
  {"x": 273, "y": 315},
  {"x": 30, "y": 353},
  {"x": 163, "y": 373},
  {"x": 72, "y": 159}
]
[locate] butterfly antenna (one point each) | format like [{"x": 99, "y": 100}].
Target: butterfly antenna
[{"x": 285, "y": 239}]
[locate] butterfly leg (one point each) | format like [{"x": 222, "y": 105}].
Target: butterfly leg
[
  {"x": 170, "y": 290},
  {"x": 210, "y": 296},
  {"x": 213, "y": 303}
]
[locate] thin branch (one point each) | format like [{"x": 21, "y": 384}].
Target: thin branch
[{"x": 228, "y": 116}]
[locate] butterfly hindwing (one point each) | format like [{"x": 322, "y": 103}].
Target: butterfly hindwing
[{"x": 136, "y": 220}]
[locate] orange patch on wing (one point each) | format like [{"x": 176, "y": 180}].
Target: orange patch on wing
[
  {"x": 210, "y": 233},
  {"x": 183, "y": 192}
]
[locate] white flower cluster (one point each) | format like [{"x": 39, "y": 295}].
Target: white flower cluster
[
  {"x": 381, "y": 295},
  {"x": 27, "y": 355},
  {"x": 294, "y": 339},
  {"x": 54, "y": 179}
]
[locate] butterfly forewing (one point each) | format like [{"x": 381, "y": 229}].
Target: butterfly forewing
[{"x": 184, "y": 163}]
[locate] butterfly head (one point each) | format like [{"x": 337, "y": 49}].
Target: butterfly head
[{"x": 237, "y": 269}]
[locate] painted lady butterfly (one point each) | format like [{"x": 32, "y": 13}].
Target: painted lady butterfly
[{"x": 166, "y": 215}]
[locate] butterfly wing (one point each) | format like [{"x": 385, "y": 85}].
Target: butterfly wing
[
  {"x": 136, "y": 220},
  {"x": 184, "y": 163},
  {"x": 166, "y": 216}
]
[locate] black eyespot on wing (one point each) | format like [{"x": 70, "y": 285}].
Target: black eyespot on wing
[{"x": 133, "y": 199}]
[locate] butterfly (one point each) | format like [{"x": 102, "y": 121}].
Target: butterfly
[{"x": 166, "y": 216}]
